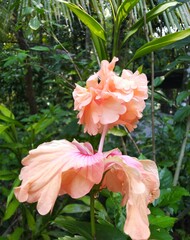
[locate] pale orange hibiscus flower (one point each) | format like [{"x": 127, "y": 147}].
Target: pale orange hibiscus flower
[{"x": 109, "y": 99}]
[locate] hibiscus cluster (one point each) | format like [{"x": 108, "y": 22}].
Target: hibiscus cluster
[{"x": 62, "y": 167}]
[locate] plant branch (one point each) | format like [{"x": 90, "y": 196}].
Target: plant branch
[
  {"x": 182, "y": 152},
  {"x": 92, "y": 217},
  {"x": 132, "y": 140},
  {"x": 152, "y": 85}
]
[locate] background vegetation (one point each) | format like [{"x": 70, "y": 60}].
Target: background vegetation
[{"x": 47, "y": 48}]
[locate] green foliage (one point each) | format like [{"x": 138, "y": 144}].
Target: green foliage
[{"x": 60, "y": 55}]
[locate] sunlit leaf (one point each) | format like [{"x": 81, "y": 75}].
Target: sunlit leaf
[
  {"x": 34, "y": 23},
  {"x": 159, "y": 43},
  {"x": 162, "y": 221},
  {"x": 153, "y": 13},
  {"x": 40, "y": 48},
  {"x": 124, "y": 9},
  {"x": 89, "y": 21},
  {"x": 118, "y": 132}
]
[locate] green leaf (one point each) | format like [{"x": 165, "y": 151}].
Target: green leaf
[
  {"x": 40, "y": 48},
  {"x": 166, "y": 178},
  {"x": 142, "y": 157},
  {"x": 42, "y": 124},
  {"x": 75, "y": 208},
  {"x": 27, "y": 10},
  {"x": 16, "y": 235},
  {"x": 7, "y": 175},
  {"x": 159, "y": 43},
  {"x": 158, "y": 81},
  {"x": 11, "y": 194},
  {"x": 181, "y": 60},
  {"x": 159, "y": 234},
  {"x": 182, "y": 113},
  {"x": 118, "y": 132},
  {"x": 100, "y": 47},
  {"x": 162, "y": 221},
  {"x": 171, "y": 196},
  {"x": 11, "y": 209},
  {"x": 89, "y": 21},
  {"x": 182, "y": 96},
  {"x": 30, "y": 220},
  {"x": 124, "y": 9},
  {"x": 72, "y": 238},
  {"x": 45, "y": 236},
  {"x": 149, "y": 17},
  {"x": 3, "y": 128},
  {"x": 97, "y": 205},
  {"x": 6, "y": 112},
  {"x": 84, "y": 229},
  {"x": 34, "y": 23}
]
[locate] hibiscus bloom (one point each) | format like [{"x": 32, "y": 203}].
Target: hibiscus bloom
[
  {"x": 56, "y": 168},
  {"x": 109, "y": 99},
  {"x": 138, "y": 182}
]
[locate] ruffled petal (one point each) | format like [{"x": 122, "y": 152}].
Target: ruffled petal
[
  {"x": 56, "y": 168},
  {"x": 111, "y": 100},
  {"x": 138, "y": 183}
]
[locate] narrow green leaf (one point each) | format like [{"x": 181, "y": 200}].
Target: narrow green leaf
[
  {"x": 40, "y": 48},
  {"x": 75, "y": 208},
  {"x": 89, "y": 21},
  {"x": 34, "y": 23},
  {"x": 181, "y": 60},
  {"x": 84, "y": 229},
  {"x": 100, "y": 47},
  {"x": 11, "y": 209},
  {"x": 30, "y": 220},
  {"x": 16, "y": 235},
  {"x": 3, "y": 128},
  {"x": 124, "y": 9},
  {"x": 7, "y": 175},
  {"x": 42, "y": 124},
  {"x": 149, "y": 17},
  {"x": 72, "y": 238},
  {"x": 11, "y": 194},
  {"x": 159, "y": 43}
]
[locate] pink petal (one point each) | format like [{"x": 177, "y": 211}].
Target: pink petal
[{"x": 57, "y": 168}]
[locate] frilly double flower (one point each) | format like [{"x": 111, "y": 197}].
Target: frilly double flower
[
  {"x": 62, "y": 167},
  {"x": 109, "y": 99}
]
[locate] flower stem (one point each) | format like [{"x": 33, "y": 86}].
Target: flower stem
[
  {"x": 92, "y": 217},
  {"x": 101, "y": 144}
]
